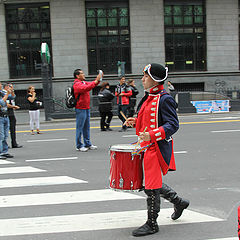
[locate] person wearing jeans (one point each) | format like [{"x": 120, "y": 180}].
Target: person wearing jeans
[
  {"x": 4, "y": 124},
  {"x": 81, "y": 91}
]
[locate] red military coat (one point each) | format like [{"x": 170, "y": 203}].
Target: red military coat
[{"x": 157, "y": 112}]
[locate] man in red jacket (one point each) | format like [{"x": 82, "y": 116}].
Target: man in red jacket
[
  {"x": 123, "y": 93},
  {"x": 81, "y": 92}
]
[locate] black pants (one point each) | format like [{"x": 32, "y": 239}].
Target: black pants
[
  {"x": 12, "y": 121},
  {"x": 103, "y": 122},
  {"x": 124, "y": 109}
]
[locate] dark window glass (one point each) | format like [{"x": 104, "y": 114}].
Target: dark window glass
[
  {"x": 185, "y": 35},
  {"x": 108, "y": 36},
  {"x": 28, "y": 25}
]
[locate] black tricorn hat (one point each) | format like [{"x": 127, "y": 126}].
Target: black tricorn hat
[{"x": 156, "y": 71}]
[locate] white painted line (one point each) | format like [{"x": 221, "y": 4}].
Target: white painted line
[
  {"x": 129, "y": 136},
  {"x": 225, "y": 131},
  {"x": 231, "y": 238},
  {"x": 96, "y": 221},
  {"x": 20, "y": 170},
  {"x": 51, "y": 159},
  {"x": 223, "y": 118},
  {"x": 180, "y": 152},
  {"x": 48, "y": 140},
  {"x": 65, "y": 197},
  {"x": 38, "y": 181},
  {"x": 5, "y": 162}
]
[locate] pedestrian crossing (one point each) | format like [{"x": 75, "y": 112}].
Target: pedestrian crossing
[{"x": 92, "y": 221}]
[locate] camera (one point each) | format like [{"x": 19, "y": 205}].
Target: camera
[{"x": 101, "y": 73}]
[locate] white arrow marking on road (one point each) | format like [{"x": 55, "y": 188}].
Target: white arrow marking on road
[
  {"x": 5, "y": 162},
  {"x": 51, "y": 159},
  {"x": 225, "y": 131},
  {"x": 38, "y": 181},
  {"x": 48, "y": 140},
  {"x": 95, "y": 221},
  {"x": 65, "y": 197},
  {"x": 20, "y": 170}
]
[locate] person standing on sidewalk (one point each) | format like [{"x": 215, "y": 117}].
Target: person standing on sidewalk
[
  {"x": 155, "y": 124},
  {"x": 34, "y": 112},
  {"x": 4, "y": 123},
  {"x": 81, "y": 91},
  {"x": 123, "y": 93},
  {"x": 12, "y": 119}
]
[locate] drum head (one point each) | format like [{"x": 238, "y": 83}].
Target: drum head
[{"x": 124, "y": 147}]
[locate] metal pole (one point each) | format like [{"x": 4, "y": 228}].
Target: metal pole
[{"x": 47, "y": 91}]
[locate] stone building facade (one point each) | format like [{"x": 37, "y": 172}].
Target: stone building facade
[{"x": 69, "y": 43}]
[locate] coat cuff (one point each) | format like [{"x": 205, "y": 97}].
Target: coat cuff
[{"x": 157, "y": 134}]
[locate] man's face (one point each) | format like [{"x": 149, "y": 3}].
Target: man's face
[
  {"x": 122, "y": 81},
  {"x": 81, "y": 76},
  {"x": 147, "y": 81}
]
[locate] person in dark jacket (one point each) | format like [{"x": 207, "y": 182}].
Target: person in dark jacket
[
  {"x": 105, "y": 106},
  {"x": 133, "y": 98}
]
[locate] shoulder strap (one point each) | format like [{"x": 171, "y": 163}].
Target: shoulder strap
[{"x": 78, "y": 94}]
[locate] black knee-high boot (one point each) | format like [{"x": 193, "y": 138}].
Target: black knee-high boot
[
  {"x": 153, "y": 206},
  {"x": 179, "y": 203}
]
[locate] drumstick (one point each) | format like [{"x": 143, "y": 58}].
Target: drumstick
[{"x": 125, "y": 117}]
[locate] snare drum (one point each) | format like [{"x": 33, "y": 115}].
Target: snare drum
[{"x": 126, "y": 172}]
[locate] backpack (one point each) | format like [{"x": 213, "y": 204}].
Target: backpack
[{"x": 70, "y": 99}]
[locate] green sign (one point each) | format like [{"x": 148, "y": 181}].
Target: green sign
[{"x": 45, "y": 53}]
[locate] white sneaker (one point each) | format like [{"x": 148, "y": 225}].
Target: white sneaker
[
  {"x": 92, "y": 147},
  {"x": 83, "y": 149}
]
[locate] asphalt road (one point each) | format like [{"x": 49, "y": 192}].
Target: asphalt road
[{"x": 49, "y": 191}]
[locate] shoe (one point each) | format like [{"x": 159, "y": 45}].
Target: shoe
[
  {"x": 178, "y": 209},
  {"x": 103, "y": 130},
  {"x": 7, "y": 155},
  {"x": 38, "y": 132},
  {"x": 92, "y": 147},
  {"x": 145, "y": 229},
  {"x": 17, "y": 146},
  {"x": 123, "y": 130},
  {"x": 83, "y": 149},
  {"x": 2, "y": 157}
]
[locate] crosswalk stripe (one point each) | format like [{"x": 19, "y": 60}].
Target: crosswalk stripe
[
  {"x": 89, "y": 222},
  {"x": 38, "y": 181},
  {"x": 65, "y": 197},
  {"x": 231, "y": 238},
  {"x": 5, "y": 162},
  {"x": 20, "y": 170},
  {"x": 51, "y": 159}
]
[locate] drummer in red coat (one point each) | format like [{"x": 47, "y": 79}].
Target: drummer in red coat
[{"x": 155, "y": 124}]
